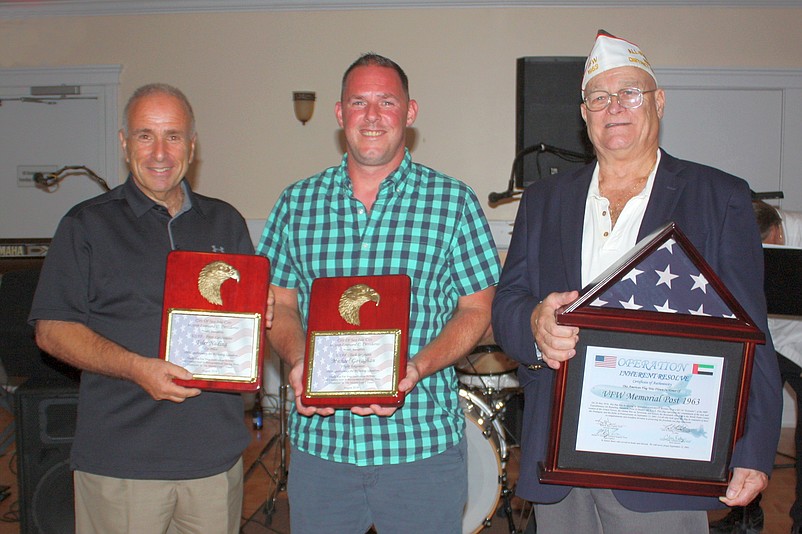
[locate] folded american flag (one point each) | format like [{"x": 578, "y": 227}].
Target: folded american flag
[{"x": 665, "y": 281}]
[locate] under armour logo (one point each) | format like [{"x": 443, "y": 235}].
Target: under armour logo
[{"x": 215, "y": 248}]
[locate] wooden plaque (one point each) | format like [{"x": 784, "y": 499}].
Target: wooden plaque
[
  {"x": 357, "y": 341},
  {"x": 213, "y": 318}
]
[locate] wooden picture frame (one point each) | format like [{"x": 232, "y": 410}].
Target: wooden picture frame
[{"x": 638, "y": 373}]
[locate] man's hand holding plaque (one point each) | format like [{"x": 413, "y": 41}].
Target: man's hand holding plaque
[
  {"x": 357, "y": 339},
  {"x": 213, "y": 319}
]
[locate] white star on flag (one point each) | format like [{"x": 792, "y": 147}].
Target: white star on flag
[
  {"x": 699, "y": 311},
  {"x": 668, "y": 245},
  {"x": 630, "y": 304},
  {"x": 666, "y": 277},
  {"x": 699, "y": 282},
  {"x": 665, "y": 308},
  {"x": 633, "y": 275}
]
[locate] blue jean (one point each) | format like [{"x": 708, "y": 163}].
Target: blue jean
[{"x": 338, "y": 498}]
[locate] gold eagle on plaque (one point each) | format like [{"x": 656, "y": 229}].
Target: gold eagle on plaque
[
  {"x": 212, "y": 276},
  {"x": 352, "y": 300}
]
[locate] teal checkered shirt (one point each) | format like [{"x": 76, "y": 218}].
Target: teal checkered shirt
[{"x": 423, "y": 224}]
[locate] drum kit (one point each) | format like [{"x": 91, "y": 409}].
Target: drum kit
[{"x": 489, "y": 389}]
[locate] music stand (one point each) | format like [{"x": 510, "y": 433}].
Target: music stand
[
  {"x": 279, "y": 474},
  {"x": 782, "y": 284}
]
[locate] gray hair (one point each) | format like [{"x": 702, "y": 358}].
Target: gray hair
[{"x": 159, "y": 88}]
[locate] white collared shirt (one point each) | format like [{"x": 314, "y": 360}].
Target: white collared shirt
[{"x": 603, "y": 245}]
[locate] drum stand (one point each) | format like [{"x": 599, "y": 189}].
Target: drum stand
[
  {"x": 528, "y": 518},
  {"x": 279, "y": 474},
  {"x": 498, "y": 405}
]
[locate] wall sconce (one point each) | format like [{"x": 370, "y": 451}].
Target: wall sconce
[{"x": 304, "y": 105}]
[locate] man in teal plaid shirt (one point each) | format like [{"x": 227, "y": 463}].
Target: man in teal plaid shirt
[{"x": 398, "y": 469}]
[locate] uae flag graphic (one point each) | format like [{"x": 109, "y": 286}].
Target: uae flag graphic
[{"x": 702, "y": 369}]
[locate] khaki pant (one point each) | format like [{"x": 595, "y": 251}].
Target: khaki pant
[{"x": 211, "y": 505}]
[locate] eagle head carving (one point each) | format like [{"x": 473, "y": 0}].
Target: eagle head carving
[
  {"x": 211, "y": 277},
  {"x": 352, "y": 300}
]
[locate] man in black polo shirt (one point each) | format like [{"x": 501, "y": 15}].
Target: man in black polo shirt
[{"x": 149, "y": 455}]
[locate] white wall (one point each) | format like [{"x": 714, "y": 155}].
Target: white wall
[{"x": 239, "y": 71}]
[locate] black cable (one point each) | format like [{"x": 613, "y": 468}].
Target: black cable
[{"x": 50, "y": 182}]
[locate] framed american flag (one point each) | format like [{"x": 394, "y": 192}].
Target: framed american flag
[{"x": 656, "y": 395}]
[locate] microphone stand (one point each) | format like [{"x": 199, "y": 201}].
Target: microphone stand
[
  {"x": 568, "y": 155},
  {"x": 279, "y": 474}
]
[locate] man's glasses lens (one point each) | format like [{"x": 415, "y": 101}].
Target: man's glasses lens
[{"x": 629, "y": 98}]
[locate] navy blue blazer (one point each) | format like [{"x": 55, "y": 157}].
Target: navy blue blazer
[{"x": 713, "y": 209}]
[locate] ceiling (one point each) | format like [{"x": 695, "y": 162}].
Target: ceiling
[{"x": 49, "y": 8}]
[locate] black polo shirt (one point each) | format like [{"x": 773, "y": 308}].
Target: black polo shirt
[{"x": 105, "y": 269}]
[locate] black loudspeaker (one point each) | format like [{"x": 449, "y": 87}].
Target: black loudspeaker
[
  {"x": 46, "y": 415},
  {"x": 18, "y": 351},
  {"x": 548, "y": 95}
]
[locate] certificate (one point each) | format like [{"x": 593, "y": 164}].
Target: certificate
[
  {"x": 357, "y": 337},
  {"x": 645, "y": 403},
  {"x": 214, "y": 346},
  {"x": 647, "y": 412},
  {"x": 364, "y": 361},
  {"x": 213, "y": 318}
]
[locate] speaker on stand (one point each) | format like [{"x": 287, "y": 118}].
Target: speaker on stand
[
  {"x": 46, "y": 414},
  {"x": 550, "y": 135},
  {"x": 547, "y": 115}
]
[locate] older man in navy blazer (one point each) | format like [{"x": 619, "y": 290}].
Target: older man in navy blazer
[{"x": 570, "y": 228}]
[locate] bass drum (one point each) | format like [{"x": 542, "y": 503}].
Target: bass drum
[
  {"x": 487, "y": 454},
  {"x": 488, "y": 369}
]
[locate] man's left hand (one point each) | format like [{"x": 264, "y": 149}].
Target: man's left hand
[
  {"x": 744, "y": 486},
  {"x": 405, "y": 385}
]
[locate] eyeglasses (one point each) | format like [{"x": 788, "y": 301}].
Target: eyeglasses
[{"x": 629, "y": 98}]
